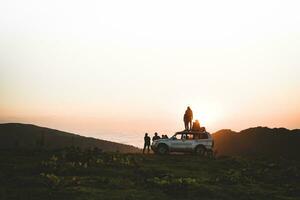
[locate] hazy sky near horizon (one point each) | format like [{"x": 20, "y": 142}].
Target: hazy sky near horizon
[{"x": 117, "y": 69}]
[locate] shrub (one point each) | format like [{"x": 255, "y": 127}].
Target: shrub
[{"x": 51, "y": 180}]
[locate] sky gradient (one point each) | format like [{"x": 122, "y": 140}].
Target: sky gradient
[{"x": 117, "y": 69}]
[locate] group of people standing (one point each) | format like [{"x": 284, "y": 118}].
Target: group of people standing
[
  {"x": 188, "y": 125},
  {"x": 147, "y": 140}
]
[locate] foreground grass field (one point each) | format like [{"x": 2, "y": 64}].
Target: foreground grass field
[{"x": 75, "y": 174}]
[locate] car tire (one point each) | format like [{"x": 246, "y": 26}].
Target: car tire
[
  {"x": 200, "y": 150},
  {"x": 162, "y": 149}
]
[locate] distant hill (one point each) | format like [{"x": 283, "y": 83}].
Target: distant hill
[
  {"x": 258, "y": 141},
  {"x": 16, "y": 135},
  {"x": 253, "y": 141}
]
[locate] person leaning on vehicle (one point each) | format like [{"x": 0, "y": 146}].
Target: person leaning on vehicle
[
  {"x": 147, "y": 140},
  {"x": 155, "y": 137}
]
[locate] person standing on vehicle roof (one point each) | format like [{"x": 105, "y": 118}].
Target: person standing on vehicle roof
[
  {"x": 147, "y": 140},
  {"x": 188, "y": 119}
]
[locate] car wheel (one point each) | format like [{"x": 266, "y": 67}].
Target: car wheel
[
  {"x": 162, "y": 149},
  {"x": 200, "y": 150}
]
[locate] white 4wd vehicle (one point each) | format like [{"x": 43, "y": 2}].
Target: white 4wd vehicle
[{"x": 186, "y": 141}]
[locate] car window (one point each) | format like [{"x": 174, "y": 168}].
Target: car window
[
  {"x": 189, "y": 136},
  {"x": 177, "y": 136},
  {"x": 202, "y": 135},
  {"x": 184, "y": 136}
]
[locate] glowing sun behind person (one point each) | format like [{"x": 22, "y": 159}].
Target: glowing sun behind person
[{"x": 208, "y": 114}]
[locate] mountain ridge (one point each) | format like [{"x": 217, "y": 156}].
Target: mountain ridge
[
  {"x": 259, "y": 128},
  {"x": 258, "y": 141},
  {"x": 32, "y": 136},
  {"x": 251, "y": 141}
]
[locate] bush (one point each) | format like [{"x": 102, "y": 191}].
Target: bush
[{"x": 51, "y": 180}]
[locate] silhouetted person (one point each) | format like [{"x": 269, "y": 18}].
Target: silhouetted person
[
  {"x": 196, "y": 126},
  {"x": 186, "y": 122},
  {"x": 155, "y": 137},
  {"x": 147, "y": 141},
  {"x": 166, "y": 136},
  {"x": 188, "y": 118}
]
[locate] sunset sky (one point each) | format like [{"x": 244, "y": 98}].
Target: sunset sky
[{"x": 117, "y": 69}]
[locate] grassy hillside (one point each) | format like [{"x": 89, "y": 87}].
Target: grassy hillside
[
  {"x": 90, "y": 175},
  {"x": 40, "y": 163},
  {"x": 15, "y": 135},
  {"x": 259, "y": 141}
]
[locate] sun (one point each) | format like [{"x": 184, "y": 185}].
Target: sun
[
  {"x": 205, "y": 118},
  {"x": 207, "y": 114}
]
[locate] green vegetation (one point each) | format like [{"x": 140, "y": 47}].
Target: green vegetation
[
  {"x": 32, "y": 168},
  {"x": 91, "y": 174}
]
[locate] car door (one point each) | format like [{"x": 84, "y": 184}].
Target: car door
[
  {"x": 176, "y": 142},
  {"x": 180, "y": 143},
  {"x": 205, "y": 140},
  {"x": 189, "y": 142}
]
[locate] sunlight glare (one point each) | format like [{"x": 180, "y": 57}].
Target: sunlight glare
[{"x": 208, "y": 114}]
